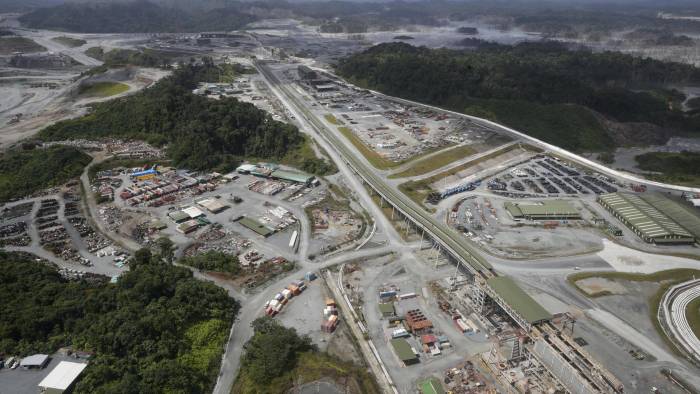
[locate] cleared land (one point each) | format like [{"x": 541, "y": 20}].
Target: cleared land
[
  {"x": 419, "y": 190},
  {"x": 425, "y": 165},
  {"x": 103, "y": 89},
  {"x": 373, "y": 157},
  {"x": 10, "y": 45},
  {"x": 665, "y": 279},
  {"x": 69, "y": 41}
]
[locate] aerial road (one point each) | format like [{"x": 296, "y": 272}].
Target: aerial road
[{"x": 453, "y": 242}]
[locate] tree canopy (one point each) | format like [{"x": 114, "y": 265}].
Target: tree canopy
[
  {"x": 200, "y": 133},
  {"x": 156, "y": 330},
  {"x": 273, "y": 350},
  {"x": 495, "y": 77},
  {"x": 24, "y": 172}
]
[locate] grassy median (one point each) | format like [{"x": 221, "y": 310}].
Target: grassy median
[{"x": 432, "y": 163}]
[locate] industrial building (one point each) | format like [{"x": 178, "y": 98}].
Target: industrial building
[
  {"x": 141, "y": 176},
  {"x": 680, "y": 213},
  {"x": 188, "y": 226},
  {"x": 417, "y": 323},
  {"x": 543, "y": 210},
  {"x": 645, "y": 219},
  {"x": 178, "y": 216},
  {"x": 269, "y": 170},
  {"x": 306, "y": 73},
  {"x": 36, "y": 361},
  {"x": 62, "y": 378},
  {"x": 255, "y": 226},
  {"x": 521, "y": 303},
  {"x": 403, "y": 351},
  {"x": 212, "y": 205},
  {"x": 296, "y": 177},
  {"x": 387, "y": 309}
]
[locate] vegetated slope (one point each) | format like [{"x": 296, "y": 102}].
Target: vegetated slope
[
  {"x": 156, "y": 330},
  {"x": 25, "y": 172},
  {"x": 134, "y": 17},
  {"x": 11, "y": 44},
  {"x": 525, "y": 86},
  {"x": 681, "y": 168},
  {"x": 200, "y": 133},
  {"x": 276, "y": 359}
]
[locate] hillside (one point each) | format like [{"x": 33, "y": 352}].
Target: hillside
[
  {"x": 199, "y": 133},
  {"x": 525, "y": 86},
  {"x": 26, "y": 172},
  {"x": 134, "y": 17},
  {"x": 157, "y": 330}
]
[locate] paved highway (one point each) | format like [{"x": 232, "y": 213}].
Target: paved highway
[{"x": 453, "y": 242}]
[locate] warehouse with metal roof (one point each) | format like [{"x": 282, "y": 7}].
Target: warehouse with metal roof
[
  {"x": 684, "y": 215},
  {"x": 61, "y": 378},
  {"x": 645, "y": 219},
  {"x": 290, "y": 176},
  {"x": 542, "y": 210},
  {"x": 403, "y": 351},
  {"x": 255, "y": 226},
  {"x": 516, "y": 298}
]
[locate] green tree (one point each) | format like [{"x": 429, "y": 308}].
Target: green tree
[{"x": 166, "y": 248}]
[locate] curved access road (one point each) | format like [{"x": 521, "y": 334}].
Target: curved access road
[{"x": 673, "y": 317}]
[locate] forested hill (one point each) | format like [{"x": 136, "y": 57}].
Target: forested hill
[
  {"x": 135, "y": 17},
  {"x": 543, "y": 88},
  {"x": 199, "y": 132},
  {"x": 157, "y": 330}
]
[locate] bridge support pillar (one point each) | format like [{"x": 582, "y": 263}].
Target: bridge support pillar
[
  {"x": 393, "y": 210},
  {"x": 422, "y": 234}
]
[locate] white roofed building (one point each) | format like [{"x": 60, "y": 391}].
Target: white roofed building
[{"x": 61, "y": 378}]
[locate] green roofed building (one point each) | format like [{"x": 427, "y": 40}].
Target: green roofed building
[
  {"x": 523, "y": 308},
  {"x": 686, "y": 216},
  {"x": 387, "y": 309},
  {"x": 431, "y": 386},
  {"x": 296, "y": 177},
  {"x": 403, "y": 351},
  {"x": 542, "y": 210},
  {"x": 649, "y": 217},
  {"x": 256, "y": 226}
]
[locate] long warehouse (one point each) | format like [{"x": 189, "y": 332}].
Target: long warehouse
[{"x": 648, "y": 222}]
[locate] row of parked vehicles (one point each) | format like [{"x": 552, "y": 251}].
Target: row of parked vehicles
[{"x": 11, "y": 363}]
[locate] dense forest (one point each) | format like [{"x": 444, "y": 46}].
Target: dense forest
[
  {"x": 200, "y": 133},
  {"x": 156, "y": 330},
  {"x": 134, "y": 17},
  {"x": 277, "y": 358},
  {"x": 24, "y": 172},
  {"x": 533, "y": 80}
]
